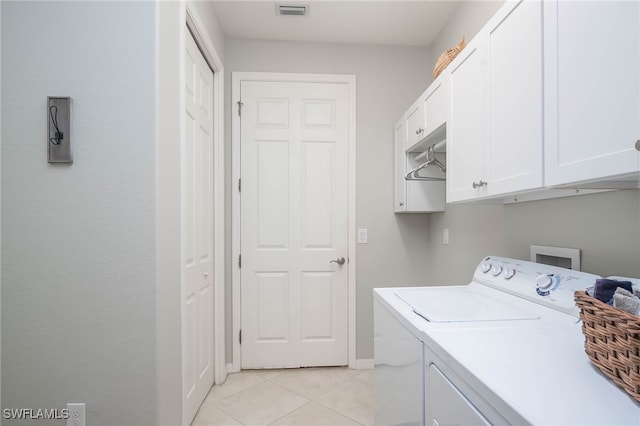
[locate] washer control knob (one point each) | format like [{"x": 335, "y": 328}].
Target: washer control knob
[
  {"x": 509, "y": 273},
  {"x": 496, "y": 270},
  {"x": 544, "y": 282},
  {"x": 485, "y": 267}
]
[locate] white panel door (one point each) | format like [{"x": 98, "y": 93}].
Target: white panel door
[
  {"x": 197, "y": 230},
  {"x": 294, "y": 223}
]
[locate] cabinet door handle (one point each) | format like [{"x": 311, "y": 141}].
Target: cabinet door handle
[
  {"x": 638, "y": 145},
  {"x": 401, "y": 204},
  {"x": 479, "y": 184}
]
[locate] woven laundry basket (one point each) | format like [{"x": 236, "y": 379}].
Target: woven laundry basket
[
  {"x": 612, "y": 341},
  {"x": 446, "y": 57}
]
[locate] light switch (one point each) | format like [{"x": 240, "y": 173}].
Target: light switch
[
  {"x": 362, "y": 236},
  {"x": 445, "y": 236},
  {"x": 59, "y": 129}
]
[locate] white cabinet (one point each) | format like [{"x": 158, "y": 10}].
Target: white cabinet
[
  {"x": 434, "y": 104},
  {"x": 592, "y": 90},
  {"x": 495, "y": 110},
  {"x": 415, "y": 123},
  {"x": 427, "y": 113},
  {"x": 515, "y": 135},
  {"x": 411, "y": 196},
  {"x": 466, "y": 125}
]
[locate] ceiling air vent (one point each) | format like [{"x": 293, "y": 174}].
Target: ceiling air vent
[{"x": 291, "y": 9}]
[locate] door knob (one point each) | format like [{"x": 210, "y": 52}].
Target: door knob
[{"x": 339, "y": 261}]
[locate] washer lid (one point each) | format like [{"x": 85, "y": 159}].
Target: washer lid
[{"x": 461, "y": 304}]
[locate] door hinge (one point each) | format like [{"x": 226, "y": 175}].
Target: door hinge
[
  {"x": 239, "y": 261},
  {"x": 240, "y": 108},
  {"x": 239, "y": 185},
  {"x": 240, "y": 337}
]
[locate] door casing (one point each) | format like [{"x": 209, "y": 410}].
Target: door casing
[{"x": 236, "y": 79}]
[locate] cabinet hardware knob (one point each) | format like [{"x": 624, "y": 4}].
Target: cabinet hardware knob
[
  {"x": 401, "y": 204},
  {"x": 479, "y": 184},
  {"x": 638, "y": 145}
]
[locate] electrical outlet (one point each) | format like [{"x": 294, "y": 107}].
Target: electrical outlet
[{"x": 76, "y": 414}]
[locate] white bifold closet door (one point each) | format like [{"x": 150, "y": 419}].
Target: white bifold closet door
[{"x": 197, "y": 230}]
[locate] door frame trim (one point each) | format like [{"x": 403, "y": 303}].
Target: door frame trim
[
  {"x": 350, "y": 81},
  {"x": 196, "y": 26}
]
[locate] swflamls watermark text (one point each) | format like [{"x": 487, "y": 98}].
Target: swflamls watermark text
[{"x": 35, "y": 413}]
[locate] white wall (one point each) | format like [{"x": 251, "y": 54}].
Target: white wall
[
  {"x": 389, "y": 78},
  {"x": 78, "y": 258},
  {"x": 168, "y": 299},
  {"x": 606, "y": 227}
]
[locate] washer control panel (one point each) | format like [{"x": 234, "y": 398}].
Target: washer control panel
[{"x": 547, "y": 285}]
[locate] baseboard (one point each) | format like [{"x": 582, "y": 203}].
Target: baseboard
[
  {"x": 364, "y": 364},
  {"x": 361, "y": 364}
]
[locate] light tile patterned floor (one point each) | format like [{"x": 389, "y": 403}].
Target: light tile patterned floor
[{"x": 334, "y": 396}]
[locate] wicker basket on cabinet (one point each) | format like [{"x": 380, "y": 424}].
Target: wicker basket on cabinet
[
  {"x": 612, "y": 341},
  {"x": 446, "y": 57}
]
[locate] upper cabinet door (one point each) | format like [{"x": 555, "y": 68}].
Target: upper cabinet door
[
  {"x": 592, "y": 90},
  {"x": 466, "y": 125},
  {"x": 495, "y": 126},
  {"x": 415, "y": 123},
  {"x": 514, "y": 154},
  {"x": 435, "y": 104}
]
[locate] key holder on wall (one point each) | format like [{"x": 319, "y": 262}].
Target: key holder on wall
[{"x": 59, "y": 129}]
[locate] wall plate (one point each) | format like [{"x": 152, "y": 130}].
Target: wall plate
[
  {"x": 59, "y": 129},
  {"x": 558, "y": 256}
]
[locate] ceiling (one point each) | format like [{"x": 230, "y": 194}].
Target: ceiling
[{"x": 390, "y": 22}]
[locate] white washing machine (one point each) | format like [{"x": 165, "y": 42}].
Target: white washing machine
[{"x": 505, "y": 349}]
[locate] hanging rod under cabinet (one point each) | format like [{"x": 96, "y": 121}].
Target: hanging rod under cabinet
[
  {"x": 434, "y": 147},
  {"x": 431, "y": 160}
]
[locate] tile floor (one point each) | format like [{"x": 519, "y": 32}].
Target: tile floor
[{"x": 307, "y": 396}]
